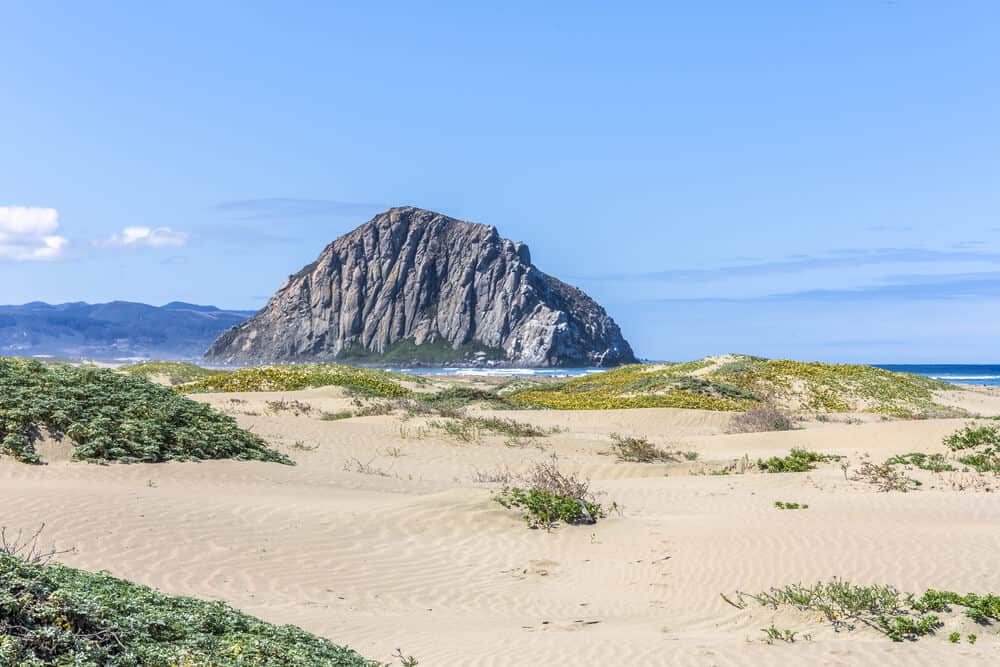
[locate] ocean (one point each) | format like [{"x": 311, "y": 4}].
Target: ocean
[{"x": 956, "y": 373}]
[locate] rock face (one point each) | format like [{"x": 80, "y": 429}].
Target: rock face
[{"x": 414, "y": 285}]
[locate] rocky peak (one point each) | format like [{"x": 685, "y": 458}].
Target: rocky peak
[{"x": 414, "y": 285}]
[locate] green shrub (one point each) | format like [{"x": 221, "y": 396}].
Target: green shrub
[
  {"x": 112, "y": 416},
  {"x": 547, "y": 509},
  {"x": 798, "y": 460},
  {"x": 55, "y": 615}
]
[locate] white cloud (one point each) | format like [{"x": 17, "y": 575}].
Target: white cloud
[
  {"x": 145, "y": 236},
  {"x": 29, "y": 233}
]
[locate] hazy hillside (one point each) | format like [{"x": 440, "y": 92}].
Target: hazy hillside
[{"x": 112, "y": 330}]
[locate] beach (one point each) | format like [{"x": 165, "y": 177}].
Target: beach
[{"x": 386, "y": 535}]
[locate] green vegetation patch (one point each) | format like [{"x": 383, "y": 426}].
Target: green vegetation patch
[
  {"x": 977, "y": 447},
  {"x": 175, "y": 372},
  {"x": 798, "y": 460},
  {"x": 545, "y": 509},
  {"x": 364, "y": 381},
  {"x": 932, "y": 462},
  {"x": 111, "y": 416},
  {"x": 786, "y": 505},
  {"x": 55, "y": 615},
  {"x": 899, "y": 616}
]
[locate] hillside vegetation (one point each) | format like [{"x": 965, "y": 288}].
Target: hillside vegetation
[
  {"x": 305, "y": 376},
  {"x": 111, "y": 416},
  {"x": 735, "y": 382},
  {"x": 55, "y": 615}
]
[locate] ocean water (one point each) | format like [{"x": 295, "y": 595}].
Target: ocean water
[{"x": 957, "y": 373}]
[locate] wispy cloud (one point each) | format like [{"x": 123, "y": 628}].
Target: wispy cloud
[
  {"x": 29, "y": 233},
  {"x": 971, "y": 287},
  {"x": 137, "y": 236},
  {"x": 834, "y": 259},
  {"x": 289, "y": 207}
]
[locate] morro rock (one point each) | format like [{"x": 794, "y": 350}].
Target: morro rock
[{"x": 414, "y": 286}]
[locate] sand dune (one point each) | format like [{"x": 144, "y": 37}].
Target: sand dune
[{"x": 419, "y": 556}]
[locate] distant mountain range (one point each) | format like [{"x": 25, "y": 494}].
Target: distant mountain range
[{"x": 114, "y": 330}]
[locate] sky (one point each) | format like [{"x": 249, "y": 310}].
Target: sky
[{"x": 811, "y": 180}]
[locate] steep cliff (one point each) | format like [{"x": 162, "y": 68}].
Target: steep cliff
[{"x": 414, "y": 285}]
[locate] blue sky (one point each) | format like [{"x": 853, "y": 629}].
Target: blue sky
[{"x": 810, "y": 180}]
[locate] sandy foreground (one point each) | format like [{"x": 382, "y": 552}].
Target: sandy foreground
[{"x": 413, "y": 553}]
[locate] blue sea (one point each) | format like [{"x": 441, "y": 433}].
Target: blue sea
[{"x": 956, "y": 373}]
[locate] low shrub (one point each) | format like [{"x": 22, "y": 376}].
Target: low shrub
[
  {"x": 55, "y": 615},
  {"x": 761, "y": 419},
  {"x": 111, "y": 416},
  {"x": 549, "y": 495},
  {"x": 798, "y": 460},
  {"x": 640, "y": 450}
]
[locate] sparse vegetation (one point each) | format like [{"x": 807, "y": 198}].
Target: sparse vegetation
[
  {"x": 977, "y": 447},
  {"x": 899, "y": 616},
  {"x": 932, "y": 462},
  {"x": 761, "y": 419},
  {"x": 641, "y": 450},
  {"x": 784, "y": 505},
  {"x": 469, "y": 429},
  {"x": 111, "y": 416},
  {"x": 174, "y": 372},
  {"x": 55, "y": 615},
  {"x": 884, "y": 477}
]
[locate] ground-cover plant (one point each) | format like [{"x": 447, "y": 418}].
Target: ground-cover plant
[
  {"x": 175, "y": 372},
  {"x": 640, "y": 450},
  {"x": 111, "y": 416},
  {"x": 761, "y": 419},
  {"x": 547, "y": 495},
  {"x": 899, "y": 616},
  {"x": 932, "y": 462},
  {"x": 798, "y": 460},
  {"x": 55, "y": 615},
  {"x": 364, "y": 381},
  {"x": 977, "y": 447},
  {"x": 785, "y": 505}
]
